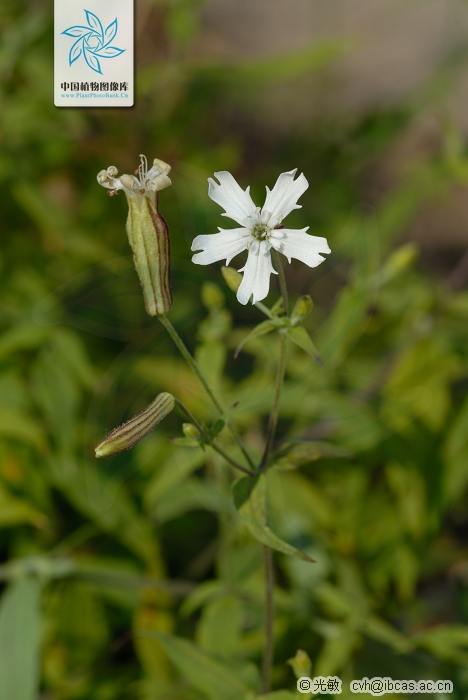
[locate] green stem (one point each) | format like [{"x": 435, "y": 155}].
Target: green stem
[
  {"x": 264, "y": 309},
  {"x": 274, "y": 413},
  {"x": 268, "y": 640},
  {"x": 211, "y": 442},
  {"x": 193, "y": 364},
  {"x": 267, "y": 661}
]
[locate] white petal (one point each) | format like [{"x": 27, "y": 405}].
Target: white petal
[
  {"x": 282, "y": 199},
  {"x": 220, "y": 246},
  {"x": 236, "y": 202},
  {"x": 112, "y": 183},
  {"x": 257, "y": 271},
  {"x": 301, "y": 245}
]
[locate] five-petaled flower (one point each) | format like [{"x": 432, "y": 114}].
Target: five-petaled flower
[{"x": 261, "y": 230}]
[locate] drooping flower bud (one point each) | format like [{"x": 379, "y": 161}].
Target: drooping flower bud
[
  {"x": 146, "y": 229},
  {"x": 130, "y": 433}
]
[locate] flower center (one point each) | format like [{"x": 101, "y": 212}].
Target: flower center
[{"x": 261, "y": 231}]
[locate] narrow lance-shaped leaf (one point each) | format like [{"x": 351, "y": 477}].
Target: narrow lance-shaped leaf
[
  {"x": 254, "y": 513},
  {"x": 302, "y": 339},
  {"x": 262, "y": 329},
  {"x": 293, "y": 456},
  {"x": 20, "y": 640},
  {"x": 212, "y": 678},
  {"x": 130, "y": 433}
]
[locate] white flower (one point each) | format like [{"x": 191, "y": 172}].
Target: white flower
[
  {"x": 261, "y": 230},
  {"x": 143, "y": 184}
]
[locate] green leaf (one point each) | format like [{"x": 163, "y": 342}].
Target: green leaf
[
  {"x": 241, "y": 490},
  {"x": 202, "y": 672},
  {"x": 24, "y": 337},
  {"x": 337, "y": 649},
  {"x": 105, "y": 501},
  {"x": 20, "y": 621},
  {"x": 16, "y": 425},
  {"x": 174, "y": 470},
  {"x": 254, "y": 514},
  {"x": 385, "y": 633},
  {"x": 295, "y": 455},
  {"x": 302, "y": 339},
  {"x": 184, "y": 442},
  {"x": 58, "y": 395},
  {"x": 455, "y": 453},
  {"x": 420, "y": 384},
  {"x": 191, "y": 494},
  {"x": 262, "y": 329},
  {"x": 217, "y": 427},
  {"x": 15, "y": 511},
  {"x": 448, "y": 642},
  {"x": 219, "y": 629}
]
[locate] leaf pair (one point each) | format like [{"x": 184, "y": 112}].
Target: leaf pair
[
  {"x": 297, "y": 334},
  {"x": 250, "y": 499}
]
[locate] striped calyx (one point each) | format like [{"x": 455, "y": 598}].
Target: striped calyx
[
  {"x": 147, "y": 231},
  {"x": 130, "y": 433},
  {"x": 149, "y": 238}
]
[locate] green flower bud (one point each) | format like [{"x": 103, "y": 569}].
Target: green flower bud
[
  {"x": 190, "y": 431},
  {"x": 232, "y": 278},
  {"x": 302, "y": 308},
  {"x": 147, "y": 231},
  {"x": 130, "y": 433},
  {"x": 301, "y": 664}
]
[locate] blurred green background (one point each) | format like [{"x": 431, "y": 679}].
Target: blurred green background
[{"x": 132, "y": 577}]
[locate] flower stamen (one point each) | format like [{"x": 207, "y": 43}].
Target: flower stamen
[{"x": 260, "y": 231}]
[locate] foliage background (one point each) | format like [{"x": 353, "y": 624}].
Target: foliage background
[{"x": 132, "y": 577}]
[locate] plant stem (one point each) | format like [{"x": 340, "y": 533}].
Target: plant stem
[
  {"x": 264, "y": 309},
  {"x": 210, "y": 442},
  {"x": 267, "y": 661},
  {"x": 193, "y": 364},
  {"x": 268, "y": 641},
  {"x": 274, "y": 413}
]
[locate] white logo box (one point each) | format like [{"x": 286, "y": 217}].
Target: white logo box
[{"x": 93, "y": 53}]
